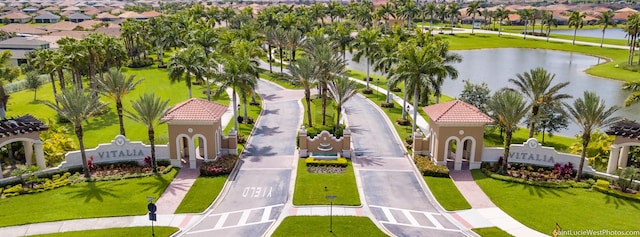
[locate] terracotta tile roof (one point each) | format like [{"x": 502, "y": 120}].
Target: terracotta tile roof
[
  {"x": 71, "y": 34},
  {"x": 62, "y": 25},
  {"x": 23, "y": 28},
  {"x": 89, "y": 24},
  {"x": 105, "y": 15},
  {"x": 16, "y": 15},
  {"x": 196, "y": 109},
  {"x": 456, "y": 111},
  {"x": 132, "y": 15},
  {"x": 151, "y": 14},
  {"x": 626, "y": 9}
]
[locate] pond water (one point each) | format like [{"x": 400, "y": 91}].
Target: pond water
[
  {"x": 497, "y": 66},
  {"x": 610, "y": 33}
]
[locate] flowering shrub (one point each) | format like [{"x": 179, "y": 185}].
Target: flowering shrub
[
  {"x": 223, "y": 165},
  {"x": 428, "y": 168}
]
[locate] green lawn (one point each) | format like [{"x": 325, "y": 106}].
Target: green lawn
[
  {"x": 491, "y": 232},
  {"x": 200, "y": 196},
  {"x": 103, "y": 129},
  {"x": 319, "y": 226},
  {"x": 117, "y": 232},
  {"x": 244, "y": 129},
  {"x": 573, "y": 208},
  {"x": 310, "y": 187},
  {"x": 561, "y": 143},
  {"x": 606, "y": 70},
  {"x": 86, "y": 200},
  {"x": 276, "y": 78},
  {"x": 447, "y": 193},
  {"x": 316, "y": 113}
]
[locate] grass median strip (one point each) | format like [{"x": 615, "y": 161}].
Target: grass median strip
[
  {"x": 159, "y": 231},
  {"x": 491, "y": 232},
  {"x": 312, "y": 189},
  {"x": 447, "y": 193},
  {"x": 203, "y": 192},
  {"x": 319, "y": 226}
]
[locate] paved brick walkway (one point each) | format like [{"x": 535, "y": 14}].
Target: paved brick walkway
[{"x": 173, "y": 195}]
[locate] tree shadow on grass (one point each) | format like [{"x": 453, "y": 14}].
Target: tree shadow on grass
[
  {"x": 617, "y": 202},
  {"x": 541, "y": 192},
  {"x": 91, "y": 191},
  {"x": 157, "y": 185},
  {"x": 101, "y": 121}
]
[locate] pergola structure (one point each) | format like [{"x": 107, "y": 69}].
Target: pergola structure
[
  {"x": 455, "y": 135},
  {"x": 195, "y": 131},
  {"x": 25, "y": 129},
  {"x": 627, "y": 134}
]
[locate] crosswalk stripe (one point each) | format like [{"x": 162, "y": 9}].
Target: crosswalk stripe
[
  {"x": 410, "y": 217},
  {"x": 266, "y": 214},
  {"x": 389, "y": 216},
  {"x": 221, "y": 221},
  {"x": 244, "y": 217},
  {"x": 434, "y": 221}
]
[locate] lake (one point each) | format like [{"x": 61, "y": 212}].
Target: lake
[
  {"x": 610, "y": 33},
  {"x": 496, "y": 66}
]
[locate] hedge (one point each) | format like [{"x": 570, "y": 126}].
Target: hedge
[{"x": 340, "y": 161}]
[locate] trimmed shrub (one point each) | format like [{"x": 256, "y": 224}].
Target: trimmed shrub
[
  {"x": 143, "y": 62},
  {"x": 405, "y": 122},
  {"x": 566, "y": 184},
  {"x": 340, "y": 162},
  {"x": 386, "y": 105},
  {"x": 367, "y": 91},
  {"x": 428, "y": 168},
  {"x": 223, "y": 165},
  {"x": 616, "y": 193}
]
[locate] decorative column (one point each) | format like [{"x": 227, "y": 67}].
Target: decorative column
[
  {"x": 303, "y": 141},
  {"x": 613, "y": 159},
  {"x": 28, "y": 152},
  {"x": 457, "y": 165},
  {"x": 624, "y": 157},
  {"x": 346, "y": 143},
  {"x": 192, "y": 153},
  {"x": 39, "y": 155}
]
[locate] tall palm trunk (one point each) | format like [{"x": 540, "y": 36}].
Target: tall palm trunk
[
  {"x": 61, "y": 78},
  {"x": 281, "y": 60},
  {"x": 189, "y": 85},
  {"x": 507, "y": 146},
  {"x": 307, "y": 98},
  {"x": 532, "y": 124},
  {"x": 416, "y": 94},
  {"x": 338, "y": 112},
  {"x": 270, "y": 59},
  {"x": 404, "y": 102},
  {"x": 235, "y": 110},
  {"x": 85, "y": 165},
  {"x": 120, "y": 120},
  {"x": 388, "y": 92},
  {"x": 575, "y": 31},
  {"x": 92, "y": 71},
  {"x": 324, "y": 103},
  {"x": 368, "y": 79},
  {"x": 53, "y": 85},
  {"x": 154, "y": 163},
  {"x": 500, "y": 28},
  {"x": 585, "y": 143}
]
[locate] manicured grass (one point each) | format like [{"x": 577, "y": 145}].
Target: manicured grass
[
  {"x": 244, "y": 129},
  {"x": 573, "y": 208},
  {"x": 491, "y": 232},
  {"x": 102, "y": 129},
  {"x": 447, "y": 193},
  {"x": 560, "y": 143},
  {"x": 310, "y": 187},
  {"x": 319, "y": 226},
  {"x": 278, "y": 79},
  {"x": 85, "y": 200},
  {"x": 606, "y": 70},
  {"x": 316, "y": 113},
  {"x": 200, "y": 196},
  {"x": 117, "y": 232}
]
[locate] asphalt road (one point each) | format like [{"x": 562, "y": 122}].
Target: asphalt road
[{"x": 259, "y": 191}]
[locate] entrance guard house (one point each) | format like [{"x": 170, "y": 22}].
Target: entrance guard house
[
  {"x": 455, "y": 136},
  {"x": 627, "y": 134},
  {"x": 195, "y": 132},
  {"x": 25, "y": 129}
]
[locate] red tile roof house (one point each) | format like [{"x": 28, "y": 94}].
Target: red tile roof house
[
  {"x": 17, "y": 17},
  {"x": 453, "y": 124}
]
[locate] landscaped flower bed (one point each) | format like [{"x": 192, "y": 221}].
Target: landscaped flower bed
[
  {"x": 428, "y": 168},
  {"x": 223, "y": 165},
  {"x": 337, "y": 166}
]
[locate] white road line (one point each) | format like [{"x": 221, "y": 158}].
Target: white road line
[
  {"x": 433, "y": 220},
  {"x": 227, "y": 227},
  {"x": 420, "y": 226},
  {"x": 388, "y": 215},
  {"x": 264, "y": 169},
  {"x": 244, "y": 217},
  {"x": 382, "y": 169},
  {"x": 221, "y": 221},
  {"x": 410, "y": 217},
  {"x": 266, "y": 214}
]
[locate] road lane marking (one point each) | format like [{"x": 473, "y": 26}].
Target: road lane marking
[
  {"x": 244, "y": 217},
  {"x": 433, "y": 220},
  {"x": 266, "y": 213},
  {"x": 410, "y": 217},
  {"x": 420, "y": 226},
  {"x": 388, "y": 215},
  {"x": 412, "y": 220},
  {"x": 221, "y": 221}
]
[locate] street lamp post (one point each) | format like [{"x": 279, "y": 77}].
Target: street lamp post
[{"x": 331, "y": 212}]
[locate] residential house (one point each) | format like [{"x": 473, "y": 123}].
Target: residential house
[
  {"x": 133, "y": 15},
  {"x": 23, "y": 29},
  {"x": 46, "y": 17},
  {"x": 20, "y": 47},
  {"x": 151, "y": 14},
  {"x": 17, "y": 17},
  {"x": 106, "y": 17},
  {"x": 30, "y": 10},
  {"x": 90, "y": 24},
  {"x": 78, "y": 17},
  {"x": 62, "y": 26},
  {"x": 54, "y": 9}
]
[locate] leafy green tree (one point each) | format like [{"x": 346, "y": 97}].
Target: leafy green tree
[
  {"x": 525, "y": 16},
  {"x": 238, "y": 74},
  {"x": 632, "y": 28},
  {"x": 408, "y": 11},
  {"x": 366, "y": 44},
  {"x": 342, "y": 89},
  {"x": 43, "y": 62},
  {"x": 76, "y": 106},
  {"x": 33, "y": 83},
  {"x": 598, "y": 150},
  {"x": 590, "y": 113},
  {"x": 388, "y": 56},
  {"x": 148, "y": 111},
  {"x": 453, "y": 13},
  {"x": 547, "y": 18},
  {"x": 8, "y": 72},
  {"x": 116, "y": 85},
  {"x": 75, "y": 53},
  {"x": 477, "y": 95},
  {"x": 508, "y": 107},
  {"x": 501, "y": 14},
  {"x": 551, "y": 119},
  {"x": 429, "y": 9},
  {"x": 442, "y": 14},
  {"x": 340, "y": 33},
  {"x": 605, "y": 19},
  {"x": 304, "y": 71},
  {"x": 537, "y": 85},
  {"x": 575, "y": 21},
  {"x": 384, "y": 13},
  {"x": 158, "y": 33}
]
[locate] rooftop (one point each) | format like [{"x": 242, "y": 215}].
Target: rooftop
[
  {"x": 24, "y": 124},
  {"x": 625, "y": 128},
  {"x": 196, "y": 109},
  {"x": 456, "y": 111}
]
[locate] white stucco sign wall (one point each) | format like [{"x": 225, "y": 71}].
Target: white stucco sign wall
[{"x": 120, "y": 149}]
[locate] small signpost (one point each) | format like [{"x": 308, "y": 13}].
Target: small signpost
[
  {"x": 152, "y": 213},
  {"x": 331, "y": 212}
]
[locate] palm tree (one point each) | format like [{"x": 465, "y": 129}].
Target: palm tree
[
  {"x": 148, "y": 110},
  {"x": 75, "y": 54},
  {"x": 116, "y": 85},
  {"x": 590, "y": 113},
  {"x": 408, "y": 11},
  {"x": 188, "y": 62},
  {"x": 95, "y": 55},
  {"x": 501, "y": 14},
  {"x": 43, "y": 61},
  {"x": 525, "y": 15},
  {"x": 605, "y": 19},
  {"x": 388, "y": 56},
  {"x": 342, "y": 89},
  {"x": 384, "y": 13},
  {"x": 633, "y": 29},
  {"x": 576, "y": 20},
  {"x": 294, "y": 40},
  {"x": 239, "y": 74},
  {"x": 634, "y": 88},
  {"x": 454, "y": 13},
  {"x": 304, "y": 71},
  {"x": 508, "y": 108},
  {"x": 442, "y": 14},
  {"x": 472, "y": 9},
  {"x": 341, "y": 35},
  {"x": 429, "y": 9},
  {"x": 366, "y": 44},
  {"x": 547, "y": 18},
  {"x": 76, "y": 106},
  {"x": 537, "y": 86}
]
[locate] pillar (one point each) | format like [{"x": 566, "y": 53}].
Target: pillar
[
  {"x": 192, "y": 153},
  {"x": 303, "y": 141},
  {"x": 624, "y": 157},
  {"x": 39, "y": 155},
  {"x": 457, "y": 165},
  {"x": 613, "y": 160},
  {"x": 28, "y": 152}
]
